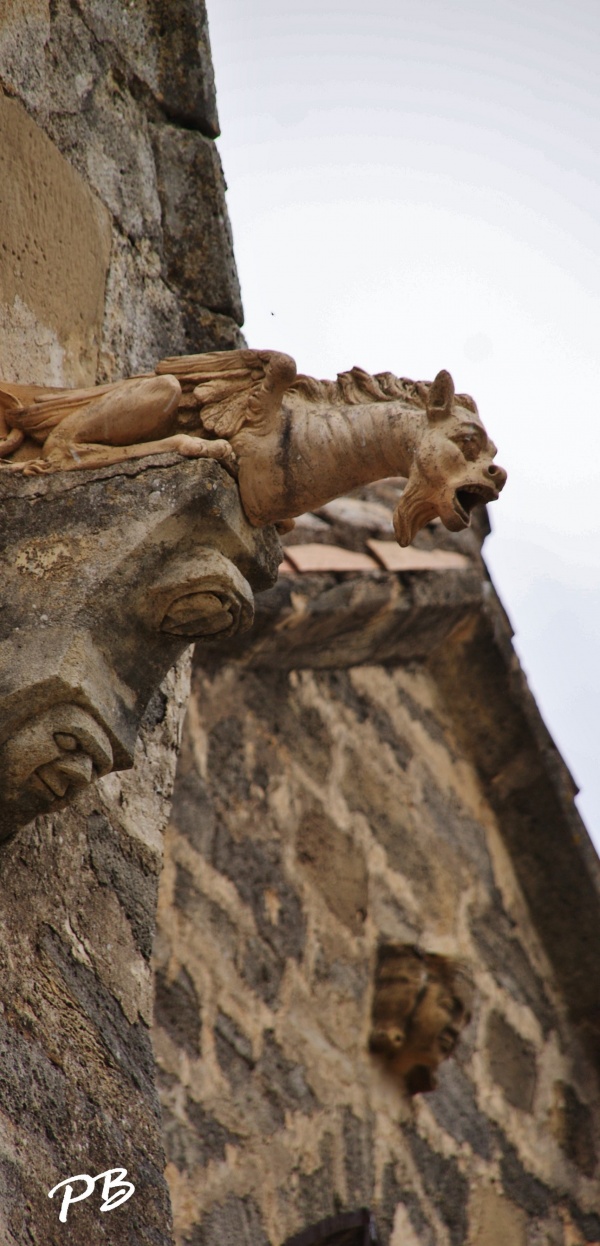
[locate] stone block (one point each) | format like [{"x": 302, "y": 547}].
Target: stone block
[
  {"x": 165, "y": 44},
  {"x": 512, "y": 1062},
  {"x": 80, "y": 98},
  {"x": 196, "y": 1141},
  {"x": 349, "y": 981},
  {"x": 226, "y": 750},
  {"x": 316, "y": 1196},
  {"x": 521, "y": 1186},
  {"x": 193, "y": 811},
  {"x": 24, "y": 34},
  {"x": 505, "y": 957},
  {"x": 451, "y": 822},
  {"x": 236, "y": 1222},
  {"x": 205, "y": 916},
  {"x": 198, "y": 246},
  {"x": 54, "y": 258},
  {"x": 262, "y": 970},
  {"x": 206, "y": 330},
  {"x": 256, "y": 870},
  {"x": 142, "y": 319},
  {"x": 572, "y": 1124},
  {"x": 339, "y": 686},
  {"x": 310, "y": 739},
  {"x": 177, "y": 1010},
  {"x": 395, "y": 1193},
  {"x": 358, "y": 1158},
  {"x": 259, "y": 1105},
  {"x": 232, "y": 1047},
  {"x": 284, "y": 1079},
  {"x": 335, "y": 865},
  {"x": 455, "y": 1108},
  {"x": 134, "y": 880},
  {"x": 495, "y": 1221},
  {"x": 389, "y": 812},
  {"x": 445, "y": 1185},
  {"x": 588, "y": 1223}
]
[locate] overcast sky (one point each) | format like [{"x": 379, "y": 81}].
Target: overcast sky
[{"x": 415, "y": 186}]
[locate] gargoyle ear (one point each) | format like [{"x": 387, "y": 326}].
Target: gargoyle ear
[{"x": 440, "y": 397}]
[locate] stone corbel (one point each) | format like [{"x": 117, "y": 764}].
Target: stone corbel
[{"x": 107, "y": 576}]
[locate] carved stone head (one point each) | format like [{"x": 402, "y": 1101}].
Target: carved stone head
[
  {"x": 452, "y": 469},
  {"x": 422, "y": 1003},
  {"x": 51, "y": 757}
]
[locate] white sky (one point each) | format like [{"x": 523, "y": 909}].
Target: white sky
[{"x": 415, "y": 186}]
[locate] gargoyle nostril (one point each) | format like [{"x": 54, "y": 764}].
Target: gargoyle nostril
[{"x": 497, "y": 474}]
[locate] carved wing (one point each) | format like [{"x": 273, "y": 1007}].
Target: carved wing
[{"x": 235, "y": 388}]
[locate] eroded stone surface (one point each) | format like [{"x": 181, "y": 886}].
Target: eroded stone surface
[
  {"x": 77, "y": 909},
  {"x": 53, "y": 264}
]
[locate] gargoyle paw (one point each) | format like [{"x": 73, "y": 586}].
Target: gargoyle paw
[{"x": 202, "y": 448}]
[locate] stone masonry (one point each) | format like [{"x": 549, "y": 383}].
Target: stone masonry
[
  {"x": 352, "y": 787},
  {"x": 315, "y": 814}
]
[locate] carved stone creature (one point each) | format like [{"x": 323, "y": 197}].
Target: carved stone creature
[
  {"x": 49, "y": 759},
  {"x": 422, "y": 1003},
  {"x": 293, "y": 442}
]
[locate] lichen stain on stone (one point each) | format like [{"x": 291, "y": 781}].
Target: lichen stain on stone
[{"x": 42, "y": 556}]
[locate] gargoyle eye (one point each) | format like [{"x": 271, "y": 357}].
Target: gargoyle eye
[{"x": 469, "y": 443}]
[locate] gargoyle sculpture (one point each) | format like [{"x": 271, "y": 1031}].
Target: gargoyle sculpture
[
  {"x": 294, "y": 443},
  {"x": 422, "y": 1003}
]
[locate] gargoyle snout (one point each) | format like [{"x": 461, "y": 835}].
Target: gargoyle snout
[{"x": 497, "y": 475}]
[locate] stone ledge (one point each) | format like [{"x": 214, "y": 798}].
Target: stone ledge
[{"x": 333, "y": 621}]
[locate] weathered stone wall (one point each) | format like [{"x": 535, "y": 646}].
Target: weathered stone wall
[
  {"x": 115, "y": 250},
  {"x": 116, "y": 247},
  {"x": 316, "y": 813},
  {"x": 77, "y": 1082}
]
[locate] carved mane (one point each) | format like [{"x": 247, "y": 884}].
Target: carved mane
[{"x": 357, "y": 386}]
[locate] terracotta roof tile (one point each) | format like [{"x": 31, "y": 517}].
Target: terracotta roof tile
[
  {"x": 394, "y": 558},
  {"x": 315, "y": 557}
]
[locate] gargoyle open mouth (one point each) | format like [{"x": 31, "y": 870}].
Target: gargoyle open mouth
[{"x": 469, "y": 496}]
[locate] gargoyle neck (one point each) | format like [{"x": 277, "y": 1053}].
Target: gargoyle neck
[{"x": 321, "y": 454}]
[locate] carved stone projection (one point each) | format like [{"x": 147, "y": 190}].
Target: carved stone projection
[
  {"x": 106, "y": 578},
  {"x": 422, "y": 1003},
  {"x": 293, "y": 442}
]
